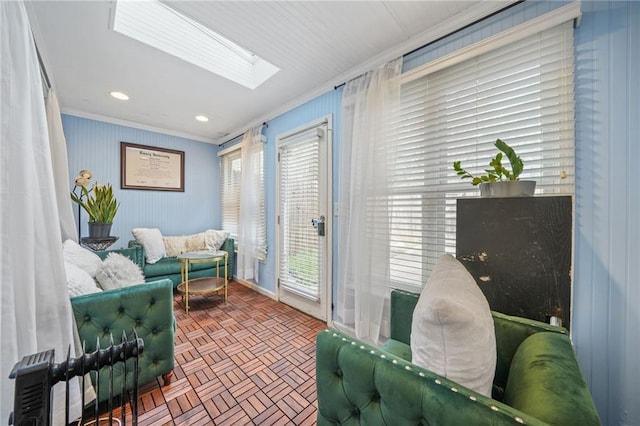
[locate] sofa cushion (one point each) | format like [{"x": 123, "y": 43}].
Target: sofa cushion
[
  {"x": 118, "y": 271},
  {"x": 151, "y": 240},
  {"x": 81, "y": 257},
  {"x": 171, "y": 265},
  {"x": 79, "y": 282},
  {"x": 452, "y": 331}
]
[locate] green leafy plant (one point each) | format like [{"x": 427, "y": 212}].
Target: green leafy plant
[
  {"x": 99, "y": 202},
  {"x": 498, "y": 171}
]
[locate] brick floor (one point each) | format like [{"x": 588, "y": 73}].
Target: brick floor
[{"x": 248, "y": 362}]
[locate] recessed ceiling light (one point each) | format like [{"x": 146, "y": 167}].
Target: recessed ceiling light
[
  {"x": 160, "y": 26},
  {"x": 202, "y": 118},
  {"x": 119, "y": 95}
]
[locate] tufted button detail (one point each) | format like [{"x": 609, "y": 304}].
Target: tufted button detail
[
  {"x": 339, "y": 373},
  {"x": 138, "y": 321},
  {"x": 155, "y": 361},
  {"x": 356, "y": 411},
  {"x": 106, "y": 330},
  {"x": 152, "y": 301},
  {"x": 87, "y": 318},
  {"x": 120, "y": 309},
  {"x": 154, "y": 331},
  {"x": 375, "y": 397}
]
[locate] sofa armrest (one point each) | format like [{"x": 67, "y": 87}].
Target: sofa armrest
[
  {"x": 229, "y": 247},
  {"x": 545, "y": 381},
  {"x": 511, "y": 331},
  {"x": 402, "y": 305},
  {"x": 146, "y": 308},
  {"x": 133, "y": 244},
  {"x": 361, "y": 384},
  {"x": 135, "y": 253}
]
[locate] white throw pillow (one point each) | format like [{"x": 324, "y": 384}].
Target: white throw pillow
[
  {"x": 79, "y": 282},
  {"x": 118, "y": 271},
  {"x": 213, "y": 239},
  {"x": 81, "y": 257},
  {"x": 452, "y": 332},
  {"x": 151, "y": 240}
]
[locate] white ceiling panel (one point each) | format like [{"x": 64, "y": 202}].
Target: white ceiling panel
[{"x": 316, "y": 44}]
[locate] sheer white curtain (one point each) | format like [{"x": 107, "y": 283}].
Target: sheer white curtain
[
  {"x": 35, "y": 313},
  {"x": 370, "y": 105},
  {"x": 58, "y": 145},
  {"x": 248, "y": 236}
]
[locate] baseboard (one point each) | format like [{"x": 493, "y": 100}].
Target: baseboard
[{"x": 255, "y": 287}]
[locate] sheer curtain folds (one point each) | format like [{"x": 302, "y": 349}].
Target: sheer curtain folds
[
  {"x": 59, "y": 157},
  {"x": 35, "y": 314},
  {"x": 370, "y": 105},
  {"x": 249, "y": 238}
]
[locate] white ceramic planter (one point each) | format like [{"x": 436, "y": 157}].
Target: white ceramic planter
[{"x": 508, "y": 189}]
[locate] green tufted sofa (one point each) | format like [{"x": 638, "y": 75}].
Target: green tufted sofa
[
  {"x": 146, "y": 308},
  {"x": 537, "y": 381},
  {"x": 169, "y": 267}
]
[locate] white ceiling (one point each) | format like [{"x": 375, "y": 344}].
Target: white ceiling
[{"x": 316, "y": 44}]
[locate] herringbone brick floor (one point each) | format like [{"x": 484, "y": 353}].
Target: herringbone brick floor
[{"x": 249, "y": 362}]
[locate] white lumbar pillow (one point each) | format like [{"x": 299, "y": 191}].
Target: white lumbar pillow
[
  {"x": 452, "y": 332},
  {"x": 118, "y": 271},
  {"x": 79, "y": 282},
  {"x": 81, "y": 257},
  {"x": 183, "y": 244},
  {"x": 151, "y": 240}
]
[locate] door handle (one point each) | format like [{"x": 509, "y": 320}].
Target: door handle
[{"x": 319, "y": 225}]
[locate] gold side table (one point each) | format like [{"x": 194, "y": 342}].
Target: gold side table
[{"x": 204, "y": 285}]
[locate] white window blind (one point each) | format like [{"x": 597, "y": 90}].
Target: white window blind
[
  {"x": 521, "y": 93},
  {"x": 230, "y": 172},
  {"x": 299, "y": 202},
  {"x": 262, "y": 215}
]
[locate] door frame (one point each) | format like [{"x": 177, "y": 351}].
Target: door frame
[{"x": 328, "y": 261}]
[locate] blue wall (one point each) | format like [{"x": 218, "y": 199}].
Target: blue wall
[
  {"x": 95, "y": 145},
  {"x": 606, "y": 299},
  {"x": 606, "y": 293}
]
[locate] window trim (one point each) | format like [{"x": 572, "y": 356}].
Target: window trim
[{"x": 503, "y": 38}]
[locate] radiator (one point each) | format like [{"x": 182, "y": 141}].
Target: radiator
[{"x": 36, "y": 374}]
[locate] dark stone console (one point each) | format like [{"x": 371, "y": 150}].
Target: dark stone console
[{"x": 519, "y": 252}]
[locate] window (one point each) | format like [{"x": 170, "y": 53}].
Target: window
[
  {"x": 262, "y": 221},
  {"x": 521, "y": 93},
  {"x": 165, "y": 28},
  {"x": 230, "y": 177},
  {"x": 230, "y": 173}
]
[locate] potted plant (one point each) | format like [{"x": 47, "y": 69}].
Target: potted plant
[
  {"x": 499, "y": 181},
  {"x": 99, "y": 203}
]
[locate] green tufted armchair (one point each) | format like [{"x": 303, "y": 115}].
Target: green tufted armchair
[
  {"x": 146, "y": 308},
  {"x": 537, "y": 381}
]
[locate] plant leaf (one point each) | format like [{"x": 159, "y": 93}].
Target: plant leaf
[{"x": 517, "y": 165}]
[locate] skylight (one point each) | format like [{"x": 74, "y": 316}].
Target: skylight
[{"x": 166, "y": 29}]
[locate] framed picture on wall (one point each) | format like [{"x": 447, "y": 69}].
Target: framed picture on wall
[{"x": 150, "y": 167}]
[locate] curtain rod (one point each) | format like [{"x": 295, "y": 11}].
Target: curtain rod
[
  {"x": 264, "y": 123},
  {"x": 477, "y": 21}
]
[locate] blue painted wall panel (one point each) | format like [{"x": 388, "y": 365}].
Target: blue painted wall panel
[
  {"x": 95, "y": 145},
  {"x": 607, "y": 259}
]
